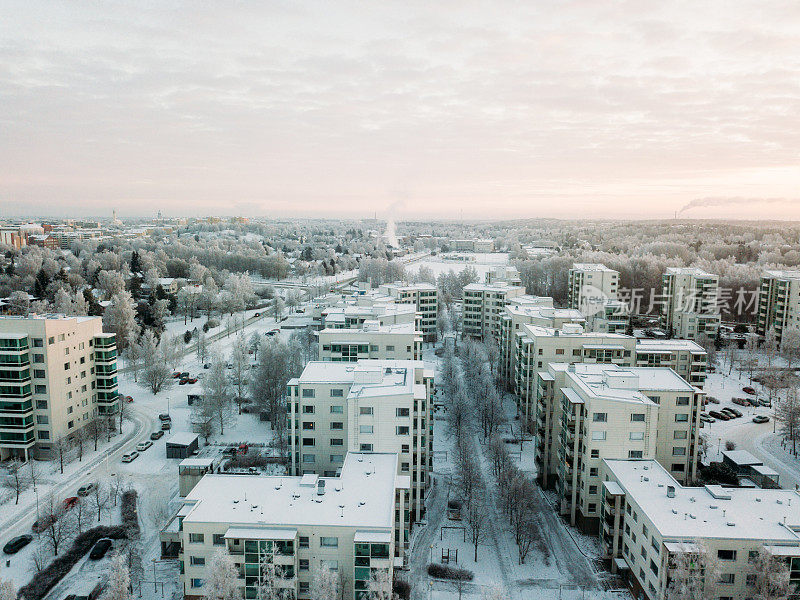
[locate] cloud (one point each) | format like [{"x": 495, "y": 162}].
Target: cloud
[{"x": 728, "y": 202}]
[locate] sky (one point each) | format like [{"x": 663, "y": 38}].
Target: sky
[{"x": 410, "y": 110}]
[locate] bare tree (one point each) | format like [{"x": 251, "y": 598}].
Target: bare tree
[
  {"x": 324, "y": 584},
  {"x": 476, "y": 519},
  {"x": 217, "y": 394},
  {"x": 790, "y": 345},
  {"x": 33, "y": 472},
  {"x": 787, "y": 413},
  {"x": 94, "y": 431},
  {"x": 59, "y": 526},
  {"x": 15, "y": 479},
  {"x": 8, "y": 590},
  {"x": 79, "y": 438},
  {"x": 380, "y": 585},
  {"x": 61, "y": 446},
  {"x": 157, "y": 375},
  {"x": 695, "y": 573},
  {"x": 772, "y": 581},
  {"x": 201, "y": 347},
  {"x": 40, "y": 555},
  {"x": 240, "y": 360},
  {"x": 80, "y": 514},
  {"x": 100, "y": 498}
]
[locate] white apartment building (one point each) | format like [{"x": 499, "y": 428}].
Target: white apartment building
[
  {"x": 689, "y": 308},
  {"x": 473, "y": 245},
  {"x": 527, "y": 310},
  {"x": 778, "y": 302},
  {"x": 369, "y": 406},
  {"x": 422, "y": 295},
  {"x": 371, "y": 341},
  {"x": 348, "y": 315},
  {"x": 503, "y": 273},
  {"x": 591, "y": 284},
  {"x": 687, "y": 358},
  {"x": 58, "y": 375},
  {"x": 612, "y": 412},
  {"x": 482, "y": 307},
  {"x": 649, "y": 520},
  {"x": 349, "y": 524},
  {"x": 536, "y": 347}
]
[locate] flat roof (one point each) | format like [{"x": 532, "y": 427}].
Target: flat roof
[
  {"x": 196, "y": 462},
  {"x": 372, "y": 536},
  {"x": 652, "y": 345},
  {"x": 260, "y": 533},
  {"x": 710, "y": 511},
  {"x": 741, "y": 457},
  {"x": 183, "y": 438},
  {"x": 591, "y": 267},
  {"x": 363, "y": 497}
]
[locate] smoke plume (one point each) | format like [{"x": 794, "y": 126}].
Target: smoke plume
[
  {"x": 390, "y": 235},
  {"x": 734, "y": 201}
]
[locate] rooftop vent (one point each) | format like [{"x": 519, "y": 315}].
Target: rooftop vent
[
  {"x": 670, "y": 491},
  {"x": 321, "y": 487}
]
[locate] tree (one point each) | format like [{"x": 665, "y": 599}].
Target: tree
[
  {"x": 120, "y": 319},
  {"x": 380, "y": 585},
  {"x": 787, "y": 413},
  {"x": 790, "y": 345},
  {"x": 171, "y": 348},
  {"x": 217, "y": 394},
  {"x": 61, "y": 447},
  {"x": 119, "y": 579},
  {"x": 277, "y": 309},
  {"x": 15, "y": 479},
  {"x": 221, "y": 578},
  {"x": 772, "y": 576},
  {"x": 695, "y": 573},
  {"x": 60, "y": 526},
  {"x": 94, "y": 431},
  {"x": 201, "y": 347},
  {"x": 324, "y": 584},
  {"x": 19, "y": 303},
  {"x": 476, "y": 519},
  {"x": 8, "y": 590},
  {"x": 240, "y": 359},
  {"x": 100, "y": 498},
  {"x": 278, "y": 362}
]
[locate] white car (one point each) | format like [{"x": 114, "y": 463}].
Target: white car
[
  {"x": 130, "y": 456},
  {"x": 142, "y": 446}
]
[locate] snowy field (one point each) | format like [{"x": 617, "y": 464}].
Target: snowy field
[{"x": 482, "y": 263}]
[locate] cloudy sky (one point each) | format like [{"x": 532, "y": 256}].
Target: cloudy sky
[{"x": 423, "y": 109}]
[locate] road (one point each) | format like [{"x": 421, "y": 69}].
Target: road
[{"x": 752, "y": 437}]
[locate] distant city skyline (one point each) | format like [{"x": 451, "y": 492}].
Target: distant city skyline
[{"x": 480, "y": 110}]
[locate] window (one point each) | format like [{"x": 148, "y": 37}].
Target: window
[
  {"x": 42, "y": 419},
  {"x": 637, "y": 418},
  {"x": 595, "y": 453},
  {"x": 41, "y": 404},
  {"x": 70, "y": 424},
  {"x": 679, "y": 435},
  {"x": 39, "y": 373},
  {"x": 303, "y": 542},
  {"x": 66, "y": 366},
  {"x": 677, "y": 451},
  {"x": 337, "y": 442},
  {"x": 365, "y": 429},
  {"x": 308, "y": 393},
  {"x": 592, "y": 508},
  {"x": 682, "y": 401},
  {"x": 337, "y": 410},
  {"x": 38, "y": 342},
  {"x": 402, "y": 430},
  {"x": 365, "y": 447},
  {"x": 636, "y": 435},
  {"x": 592, "y": 489},
  {"x": 727, "y": 578},
  {"x": 390, "y": 348},
  {"x": 197, "y": 582},
  {"x": 681, "y": 417},
  {"x": 219, "y": 539},
  {"x": 309, "y": 442},
  {"x": 197, "y": 560},
  {"x": 593, "y": 472},
  {"x": 331, "y": 565},
  {"x": 43, "y": 435},
  {"x": 678, "y": 467},
  {"x": 337, "y": 393},
  {"x": 634, "y": 454},
  {"x": 308, "y": 458},
  {"x": 404, "y": 467},
  {"x": 752, "y": 556},
  {"x": 308, "y": 425},
  {"x": 40, "y": 389},
  {"x": 38, "y": 358},
  {"x": 304, "y": 562},
  {"x": 726, "y": 554},
  {"x": 365, "y": 410},
  {"x": 51, "y": 340},
  {"x": 196, "y": 538},
  {"x": 308, "y": 409},
  {"x": 401, "y": 412},
  {"x": 598, "y": 435},
  {"x": 337, "y": 458},
  {"x": 328, "y": 542},
  {"x": 600, "y": 417},
  {"x": 337, "y": 425},
  {"x": 751, "y": 579}
]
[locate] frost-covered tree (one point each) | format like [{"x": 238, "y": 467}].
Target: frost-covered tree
[
  {"x": 221, "y": 576},
  {"x": 8, "y": 590},
  {"x": 217, "y": 394},
  {"x": 772, "y": 580},
  {"x": 695, "y": 574},
  {"x": 324, "y": 584},
  {"x": 240, "y": 360},
  {"x": 120, "y": 318},
  {"x": 119, "y": 579}
]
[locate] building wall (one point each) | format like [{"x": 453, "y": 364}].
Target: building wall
[{"x": 361, "y": 344}]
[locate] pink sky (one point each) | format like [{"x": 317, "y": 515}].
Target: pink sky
[{"x": 628, "y": 108}]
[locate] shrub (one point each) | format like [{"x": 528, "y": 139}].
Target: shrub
[
  {"x": 212, "y": 323},
  {"x": 130, "y": 516},
  {"x": 729, "y": 445},
  {"x": 445, "y": 572},
  {"x": 244, "y": 461},
  {"x": 402, "y": 589},
  {"x": 205, "y": 327},
  {"x": 187, "y": 337}
]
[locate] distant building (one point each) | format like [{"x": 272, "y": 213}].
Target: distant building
[
  {"x": 689, "y": 307},
  {"x": 473, "y": 245},
  {"x": 422, "y": 295},
  {"x": 591, "y": 283},
  {"x": 483, "y": 305}
]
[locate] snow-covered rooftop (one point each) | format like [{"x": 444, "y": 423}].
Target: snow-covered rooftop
[
  {"x": 363, "y": 496},
  {"x": 650, "y": 345},
  {"x": 711, "y": 511},
  {"x": 366, "y": 377},
  {"x": 591, "y": 267},
  {"x": 688, "y": 271}
]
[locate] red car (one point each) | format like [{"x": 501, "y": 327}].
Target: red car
[
  {"x": 748, "y": 390},
  {"x": 183, "y": 381},
  {"x": 176, "y": 374},
  {"x": 128, "y": 398},
  {"x": 242, "y": 449},
  {"x": 43, "y": 523},
  {"x": 70, "y": 502}
]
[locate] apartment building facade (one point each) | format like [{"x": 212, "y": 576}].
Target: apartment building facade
[
  {"x": 591, "y": 284},
  {"x": 371, "y": 341},
  {"x": 612, "y": 316},
  {"x": 689, "y": 303},
  {"x": 651, "y": 524},
  {"x": 778, "y": 302},
  {"x": 687, "y": 358},
  {"x": 348, "y": 524},
  {"x": 613, "y": 412},
  {"x": 482, "y": 308},
  {"x": 369, "y": 406},
  {"x": 424, "y": 296},
  {"x": 59, "y": 374}
]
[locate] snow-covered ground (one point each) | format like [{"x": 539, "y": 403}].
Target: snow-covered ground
[{"x": 482, "y": 263}]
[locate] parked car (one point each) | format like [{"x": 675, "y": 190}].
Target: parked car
[
  {"x": 100, "y": 548},
  {"x": 257, "y": 315},
  {"x": 732, "y": 411},
  {"x": 85, "y": 490},
  {"x": 741, "y": 401},
  {"x": 718, "y": 415},
  {"x": 42, "y": 524},
  {"x": 242, "y": 449},
  {"x": 128, "y": 398},
  {"x": 130, "y": 456},
  {"x": 70, "y": 502},
  {"x": 183, "y": 381},
  {"x": 192, "y": 398},
  {"x": 185, "y": 374},
  {"x": 707, "y": 419},
  {"x": 192, "y": 380},
  {"x": 156, "y": 435},
  {"x": 18, "y": 543},
  {"x": 229, "y": 450},
  {"x": 165, "y": 417},
  {"x": 760, "y": 419},
  {"x": 712, "y": 400},
  {"x": 176, "y": 374},
  {"x": 142, "y": 446},
  {"x": 749, "y": 390},
  {"x": 166, "y": 425},
  {"x": 762, "y": 402},
  {"x": 207, "y": 366},
  {"x": 271, "y": 332}
]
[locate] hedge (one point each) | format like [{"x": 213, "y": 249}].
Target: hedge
[
  {"x": 445, "y": 572},
  {"x": 44, "y": 580}
]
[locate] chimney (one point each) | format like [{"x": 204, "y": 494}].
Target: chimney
[
  {"x": 321, "y": 487},
  {"x": 670, "y": 491}
]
